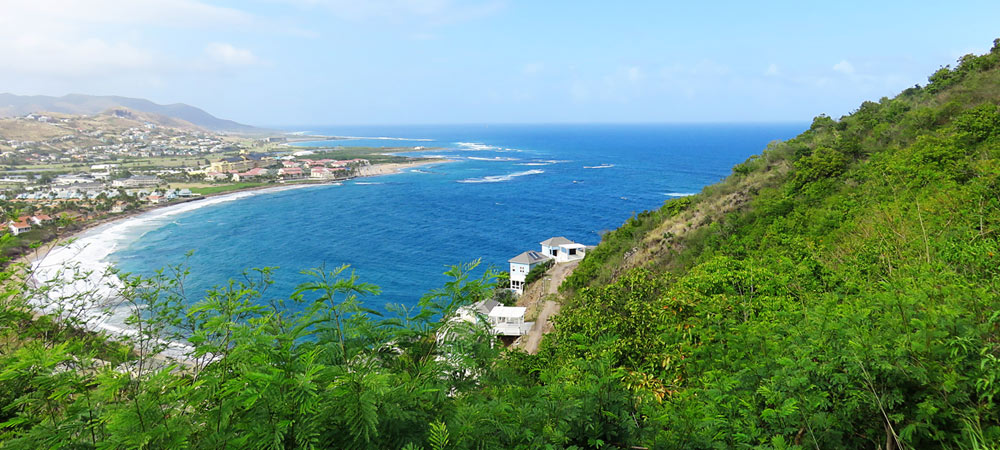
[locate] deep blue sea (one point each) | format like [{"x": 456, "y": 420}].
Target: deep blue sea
[{"x": 511, "y": 187}]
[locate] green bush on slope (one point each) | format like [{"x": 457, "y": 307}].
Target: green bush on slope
[{"x": 849, "y": 305}]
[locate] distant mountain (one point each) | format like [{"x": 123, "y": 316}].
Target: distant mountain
[{"x": 16, "y": 105}]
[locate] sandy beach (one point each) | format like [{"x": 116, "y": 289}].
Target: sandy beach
[{"x": 80, "y": 281}]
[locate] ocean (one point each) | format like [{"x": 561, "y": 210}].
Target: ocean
[{"x": 510, "y": 187}]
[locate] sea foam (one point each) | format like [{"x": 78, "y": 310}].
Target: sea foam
[
  {"x": 79, "y": 276},
  {"x": 501, "y": 178},
  {"x": 495, "y": 158}
]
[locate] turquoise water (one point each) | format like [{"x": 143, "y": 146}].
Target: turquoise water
[{"x": 510, "y": 188}]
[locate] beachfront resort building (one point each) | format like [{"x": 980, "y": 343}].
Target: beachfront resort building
[
  {"x": 137, "y": 181},
  {"x": 558, "y": 249},
  {"x": 23, "y": 224}
]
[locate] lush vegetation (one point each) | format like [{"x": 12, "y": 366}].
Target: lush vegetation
[
  {"x": 538, "y": 271},
  {"x": 207, "y": 190},
  {"x": 840, "y": 290}
]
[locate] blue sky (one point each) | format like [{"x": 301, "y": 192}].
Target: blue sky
[{"x": 328, "y": 62}]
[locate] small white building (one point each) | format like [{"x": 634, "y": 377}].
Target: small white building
[
  {"x": 558, "y": 248},
  {"x": 509, "y": 321},
  {"x": 562, "y": 249},
  {"x": 503, "y": 320},
  {"x": 520, "y": 265},
  {"x": 18, "y": 227}
]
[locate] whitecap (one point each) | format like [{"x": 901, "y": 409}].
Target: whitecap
[
  {"x": 79, "y": 271},
  {"x": 495, "y": 158},
  {"x": 475, "y": 146},
  {"x": 500, "y": 178},
  {"x": 383, "y": 138},
  {"x": 679, "y": 194},
  {"x": 602, "y": 166}
]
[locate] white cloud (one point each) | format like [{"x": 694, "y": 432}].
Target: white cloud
[
  {"x": 46, "y": 54},
  {"x": 74, "y": 39},
  {"x": 228, "y": 55},
  {"x": 772, "y": 70},
  {"x": 844, "y": 67},
  {"x": 433, "y": 12},
  {"x": 533, "y": 68},
  {"x": 633, "y": 74},
  {"x": 75, "y": 13}
]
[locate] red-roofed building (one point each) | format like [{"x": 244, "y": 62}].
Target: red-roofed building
[
  {"x": 19, "y": 226},
  {"x": 41, "y": 219},
  {"x": 289, "y": 173}
]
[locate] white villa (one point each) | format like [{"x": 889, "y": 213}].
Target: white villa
[
  {"x": 562, "y": 249},
  {"x": 509, "y": 321},
  {"x": 520, "y": 265},
  {"x": 558, "y": 248},
  {"x": 503, "y": 320}
]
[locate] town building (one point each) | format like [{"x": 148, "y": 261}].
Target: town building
[
  {"x": 19, "y": 226},
  {"x": 137, "y": 181}
]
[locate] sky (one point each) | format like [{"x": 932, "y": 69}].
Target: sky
[{"x": 344, "y": 62}]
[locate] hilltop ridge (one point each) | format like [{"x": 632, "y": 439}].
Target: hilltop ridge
[{"x": 19, "y": 105}]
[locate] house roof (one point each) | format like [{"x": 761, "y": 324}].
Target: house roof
[
  {"x": 528, "y": 257},
  {"x": 556, "y": 241},
  {"x": 508, "y": 311},
  {"x": 484, "y": 307}
]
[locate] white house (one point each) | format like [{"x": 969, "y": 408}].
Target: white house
[
  {"x": 520, "y": 265},
  {"x": 503, "y": 320},
  {"x": 562, "y": 249},
  {"x": 559, "y": 249},
  {"x": 509, "y": 321},
  {"x": 18, "y": 227}
]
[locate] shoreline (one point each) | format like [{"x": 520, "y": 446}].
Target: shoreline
[
  {"x": 75, "y": 266},
  {"x": 373, "y": 171}
]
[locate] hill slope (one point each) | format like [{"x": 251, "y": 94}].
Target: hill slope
[
  {"x": 16, "y": 105},
  {"x": 837, "y": 291}
]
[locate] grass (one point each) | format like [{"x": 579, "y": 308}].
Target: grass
[{"x": 225, "y": 188}]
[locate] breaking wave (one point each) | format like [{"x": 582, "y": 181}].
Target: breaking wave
[{"x": 500, "y": 178}]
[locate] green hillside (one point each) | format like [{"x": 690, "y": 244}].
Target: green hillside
[
  {"x": 840, "y": 290},
  {"x": 837, "y": 291}
]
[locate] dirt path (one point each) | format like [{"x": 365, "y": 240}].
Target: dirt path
[{"x": 549, "y": 286}]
